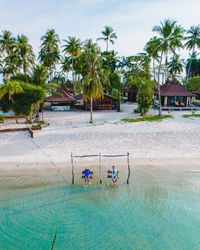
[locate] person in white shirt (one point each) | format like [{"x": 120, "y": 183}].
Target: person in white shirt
[{"x": 114, "y": 174}]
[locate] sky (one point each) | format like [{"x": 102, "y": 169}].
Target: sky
[{"x": 132, "y": 20}]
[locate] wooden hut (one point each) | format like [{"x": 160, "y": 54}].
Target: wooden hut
[
  {"x": 62, "y": 100},
  {"x": 130, "y": 92},
  {"x": 107, "y": 102},
  {"x": 174, "y": 95}
]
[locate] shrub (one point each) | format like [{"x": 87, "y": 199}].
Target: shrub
[
  {"x": 1, "y": 119},
  {"x": 23, "y": 103}
]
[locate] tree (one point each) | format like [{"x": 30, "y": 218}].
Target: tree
[
  {"x": 116, "y": 87},
  {"x": 25, "y": 53},
  {"x": 9, "y": 56},
  {"x": 193, "y": 42},
  {"x": 49, "y": 54},
  {"x": 10, "y": 88},
  {"x": 66, "y": 65},
  {"x": 7, "y": 42},
  {"x": 169, "y": 41},
  {"x": 194, "y": 83},
  {"x": 145, "y": 94},
  {"x": 151, "y": 52},
  {"x": 175, "y": 66},
  {"x": 108, "y": 36},
  {"x": 72, "y": 47},
  {"x": 25, "y": 102},
  {"x": 93, "y": 75}
]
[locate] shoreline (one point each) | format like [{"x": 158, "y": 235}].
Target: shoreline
[{"x": 136, "y": 164}]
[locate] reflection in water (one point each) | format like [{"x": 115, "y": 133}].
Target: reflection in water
[{"x": 151, "y": 213}]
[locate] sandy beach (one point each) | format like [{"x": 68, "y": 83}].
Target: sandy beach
[{"x": 149, "y": 143}]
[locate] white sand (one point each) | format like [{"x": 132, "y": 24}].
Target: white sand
[{"x": 70, "y": 132}]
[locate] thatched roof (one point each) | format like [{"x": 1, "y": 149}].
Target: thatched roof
[
  {"x": 174, "y": 89},
  {"x": 62, "y": 95}
]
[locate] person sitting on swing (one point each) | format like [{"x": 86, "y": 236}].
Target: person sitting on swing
[
  {"x": 114, "y": 174},
  {"x": 87, "y": 173}
]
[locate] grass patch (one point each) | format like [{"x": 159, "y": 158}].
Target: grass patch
[
  {"x": 155, "y": 118},
  {"x": 193, "y": 115}
]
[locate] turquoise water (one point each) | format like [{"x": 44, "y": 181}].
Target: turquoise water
[{"x": 156, "y": 211}]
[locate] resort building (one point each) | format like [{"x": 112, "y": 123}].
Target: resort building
[
  {"x": 174, "y": 95},
  {"x": 130, "y": 92},
  {"x": 62, "y": 100},
  {"x": 107, "y": 102}
]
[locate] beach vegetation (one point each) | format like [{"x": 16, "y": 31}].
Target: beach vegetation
[
  {"x": 49, "y": 54},
  {"x": 23, "y": 102},
  {"x": 192, "y": 115},
  {"x": 155, "y": 118},
  {"x": 72, "y": 47},
  {"x": 194, "y": 83},
  {"x": 93, "y": 75},
  {"x": 170, "y": 39},
  {"x": 108, "y": 36},
  {"x": 145, "y": 94},
  {"x": 1, "y": 119},
  {"x": 193, "y": 42}
]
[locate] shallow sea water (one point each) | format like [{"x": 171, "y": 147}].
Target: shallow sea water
[{"x": 157, "y": 210}]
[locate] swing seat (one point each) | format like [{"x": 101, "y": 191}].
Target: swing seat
[{"x": 90, "y": 176}]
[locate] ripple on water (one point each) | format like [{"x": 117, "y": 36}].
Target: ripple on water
[{"x": 147, "y": 213}]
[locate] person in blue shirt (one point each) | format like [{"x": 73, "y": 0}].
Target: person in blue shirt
[{"x": 87, "y": 173}]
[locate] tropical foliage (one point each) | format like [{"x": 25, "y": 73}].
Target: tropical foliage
[{"x": 94, "y": 71}]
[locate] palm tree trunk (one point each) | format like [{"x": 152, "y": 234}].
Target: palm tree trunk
[
  {"x": 106, "y": 45},
  {"x": 154, "y": 70},
  {"x": 91, "y": 109},
  {"x": 73, "y": 75},
  {"x": 118, "y": 101},
  {"x": 188, "y": 74},
  {"x": 159, "y": 97}
]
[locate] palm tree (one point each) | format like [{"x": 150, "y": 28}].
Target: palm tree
[
  {"x": 72, "y": 47},
  {"x": 66, "y": 65},
  {"x": 10, "y": 88},
  {"x": 168, "y": 43},
  {"x": 25, "y": 52},
  {"x": 151, "y": 50},
  {"x": 193, "y": 42},
  {"x": 49, "y": 54},
  {"x": 8, "y": 49},
  {"x": 108, "y": 36},
  {"x": 7, "y": 42},
  {"x": 175, "y": 66},
  {"x": 93, "y": 75}
]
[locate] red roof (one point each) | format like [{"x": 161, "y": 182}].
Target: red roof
[
  {"x": 61, "y": 95},
  {"x": 174, "y": 89}
]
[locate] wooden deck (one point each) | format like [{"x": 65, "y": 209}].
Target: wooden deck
[{"x": 180, "y": 108}]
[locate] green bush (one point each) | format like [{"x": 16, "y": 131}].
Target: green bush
[
  {"x": 23, "y": 103},
  {"x": 1, "y": 119}
]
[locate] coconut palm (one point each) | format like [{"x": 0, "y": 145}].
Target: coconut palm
[
  {"x": 49, "y": 54},
  {"x": 108, "y": 36},
  {"x": 10, "y": 88},
  {"x": 175, "y": 66},
  {"x": 66, "y": 65},
  {"x": 25, "y": 53},
  {"x": 7, "y": 42},
  {"x": 93, "y": 75},
  {"x": 151, "y": 50},
  {"x": 72, "y": 47},
  {"x": 193, "y": 42},
  {"x": 168, "y": 43}
]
